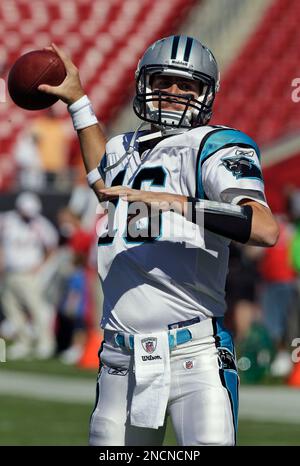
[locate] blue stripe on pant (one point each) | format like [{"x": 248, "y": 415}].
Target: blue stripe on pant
[{"x": 229, "y": 377}]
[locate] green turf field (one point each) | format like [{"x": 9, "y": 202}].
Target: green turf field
[
  {"x": 28, "y": 421},
  {"x": 32, "y": 422},
  {"x": 49, "y": 367}
]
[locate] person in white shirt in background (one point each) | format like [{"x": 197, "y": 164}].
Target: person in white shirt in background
[
  {"x": 27, "y": 239},
  {"x": 29, "y": 167}
]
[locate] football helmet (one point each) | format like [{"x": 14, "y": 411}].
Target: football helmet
[{"x": 176, "y": 56}]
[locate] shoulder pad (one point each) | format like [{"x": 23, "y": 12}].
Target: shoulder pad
[{"x": 223, "y": 137}]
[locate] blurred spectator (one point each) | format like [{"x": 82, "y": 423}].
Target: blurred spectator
[
  {"x": 294, "y": 213},
  {"x": 76, "y": 306},
  {"x": 278, "y": 292},
  {"x": 28, "y": 162},
  {"x": 27, "y": 239},
  {"x": 52, "y": 143},
  {"x": 255, "y": 353},
  {"x": 59, "y": 266},
  {"x": 83, "y": 201},
  {"x": 254, "y": 347},
  {"x": 241, "y": 290}
]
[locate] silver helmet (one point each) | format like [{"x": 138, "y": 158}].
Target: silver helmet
[{"x": 178, "y": 56}]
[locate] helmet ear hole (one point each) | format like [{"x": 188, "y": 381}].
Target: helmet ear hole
[
  {"x": 151, "y": 79},
  {"x": 201, "y": 87}
]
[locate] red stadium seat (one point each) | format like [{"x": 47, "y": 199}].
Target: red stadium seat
[
  {"x": 105, "y": 40},
  {"x": 258, "y": 84}
]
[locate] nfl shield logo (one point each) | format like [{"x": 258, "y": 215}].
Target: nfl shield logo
[
  {"x": 189, "y": 364},
  {"x": 149, "y": 344}
]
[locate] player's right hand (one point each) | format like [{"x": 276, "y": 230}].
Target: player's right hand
[{"x": 70, "y": 89}]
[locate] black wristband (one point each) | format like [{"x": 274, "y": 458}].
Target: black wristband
[
  {"x": 191, "y": 210},
  {"x": 217, "y": 218}
]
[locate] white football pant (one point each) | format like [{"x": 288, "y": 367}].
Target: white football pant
[{"x": 203, "y": 398}]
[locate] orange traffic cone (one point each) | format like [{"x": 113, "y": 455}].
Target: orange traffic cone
[
  {"x": 89, "y": 358},
  {"x": 294, "y": 378}
]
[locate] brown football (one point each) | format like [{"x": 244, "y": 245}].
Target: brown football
[{"x": 31, "y": 70}]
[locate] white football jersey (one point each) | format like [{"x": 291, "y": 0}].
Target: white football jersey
[{"x": 179, "y": 272}]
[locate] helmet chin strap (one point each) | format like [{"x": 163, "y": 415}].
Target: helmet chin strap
[{"x": 130, "y": 149}]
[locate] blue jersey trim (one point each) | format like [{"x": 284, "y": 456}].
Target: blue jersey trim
[
  {"x": 231, "y": 384},
  {"x": 218, "y": 139},
  {"x": 223, "y": 335},
  {"x": 200, "y": 194},
  {"x": 102, "y": 165}
]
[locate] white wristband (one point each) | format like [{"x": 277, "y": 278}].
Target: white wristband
[
  {"x": 82, "y": 113},
  {"x": 93, "y": 176}
]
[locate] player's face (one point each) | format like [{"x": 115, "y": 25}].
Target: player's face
[{"x": 175, "y": 85}]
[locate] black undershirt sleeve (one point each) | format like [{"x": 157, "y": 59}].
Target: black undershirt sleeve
[{"x": 233, "y": 222}]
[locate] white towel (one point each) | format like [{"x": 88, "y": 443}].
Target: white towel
[{"x": 152, "y": 375}]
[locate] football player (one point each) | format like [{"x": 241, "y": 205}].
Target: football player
[{"x": 163, "y": 268}]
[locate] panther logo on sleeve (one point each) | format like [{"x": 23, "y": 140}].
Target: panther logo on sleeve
[{"x": 241, "y": 165}]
